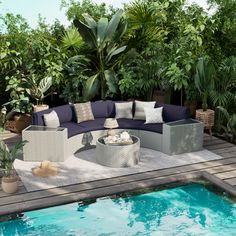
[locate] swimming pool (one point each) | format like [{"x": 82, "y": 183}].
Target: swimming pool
[{"x": 184, "y": 210}]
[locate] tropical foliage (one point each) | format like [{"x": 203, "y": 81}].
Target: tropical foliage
[
  {"x": 121, "y": 54},
  {"x": 204, "y": 79},
  {"x": 103, "y": 39}
]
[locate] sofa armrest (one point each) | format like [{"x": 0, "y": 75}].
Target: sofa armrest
[{"x": 174, "y": 112}]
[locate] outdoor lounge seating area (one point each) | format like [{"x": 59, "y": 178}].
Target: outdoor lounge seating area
[
  {"x": 118, "y": 118},
  {"x": 160, "y": 136}
]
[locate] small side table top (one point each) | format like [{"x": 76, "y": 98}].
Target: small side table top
[{"x": 43, "y": 128}]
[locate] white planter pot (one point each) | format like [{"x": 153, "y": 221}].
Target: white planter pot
[{"x": 10, "y": 184}]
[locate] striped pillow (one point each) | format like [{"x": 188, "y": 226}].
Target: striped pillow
[
  {"x": 83, "y": 112},
  {"x": 139, "y": 109}
]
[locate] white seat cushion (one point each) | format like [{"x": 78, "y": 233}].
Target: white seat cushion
[{"x": 153, "y": 115}]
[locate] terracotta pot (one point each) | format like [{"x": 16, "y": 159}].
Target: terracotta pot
[
  {"x": 10, "y": 184},
  {"x": 18, "y": 123},
  {"x": 41, "y": 107}
]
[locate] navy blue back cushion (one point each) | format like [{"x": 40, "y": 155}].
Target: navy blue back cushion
[
  {"x": 65, "y": 114},
  {"x": 100, "y": 109},
  {"x": 173, "y": 112}
]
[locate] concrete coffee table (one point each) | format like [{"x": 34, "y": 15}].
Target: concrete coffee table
[{"x": 118, "y": 155}]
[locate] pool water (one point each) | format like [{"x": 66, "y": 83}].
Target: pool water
[{"x": 185, "y": 210}]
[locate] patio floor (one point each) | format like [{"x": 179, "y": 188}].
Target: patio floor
[{"x": 221, "y": 172}]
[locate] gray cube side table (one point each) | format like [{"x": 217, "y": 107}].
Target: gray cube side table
[
  {"x": 45, "y": 143},
  {"x": 182, "y": 136}
]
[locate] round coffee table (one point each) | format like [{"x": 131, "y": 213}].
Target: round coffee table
[{"x": 118, "y": 155}]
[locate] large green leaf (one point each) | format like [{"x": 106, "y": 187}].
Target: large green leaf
[
  {"x": 101, "y": 31},
  {"x": 91, "y": 22},
  {"x": 120, "y": 30},
  {"x": 114, "y": 52},
  {"x": 91, "y": 87},
  {"x": 86, "y": 33},
  {"x": 111, "y": 80},
  {"x": 45, "y": 84},
  {"x": 113, "y": 24}
]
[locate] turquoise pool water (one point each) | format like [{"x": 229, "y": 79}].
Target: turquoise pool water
[{"x": 186, "y": 210}]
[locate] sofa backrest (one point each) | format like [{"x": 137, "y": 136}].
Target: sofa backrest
[
  {"x": 173, "y": 112},
  {"x": 104, "y": 109},
  {"x": 65, "y": 114},
  {"x": 100, "y": 109}
]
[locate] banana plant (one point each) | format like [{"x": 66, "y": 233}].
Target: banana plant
[
  {"x": 37, "y": 88},
  {"x": 103, "y": 38},
  {"x": 204, "y": 79}
]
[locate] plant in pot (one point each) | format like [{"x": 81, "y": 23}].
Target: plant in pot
[
  {"x": 7, "y": 158},
  {"x": 18, "y": 117},
  {"x": 204, "y": 81},
  {"x": 37, "y": 88}
]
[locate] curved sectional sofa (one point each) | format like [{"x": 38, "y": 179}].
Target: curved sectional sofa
[{"x": 84, "y": 135}]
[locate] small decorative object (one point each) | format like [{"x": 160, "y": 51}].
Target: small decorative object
[
  {"x": 46, "y": 169},
  {"x": 7, "y": 158},
  {"x": 111, "y": 123},
  {"x": 122, "y": 138}
]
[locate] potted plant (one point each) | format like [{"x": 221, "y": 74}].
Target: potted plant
[
  {"x": 37, "y": 89},
  {"x": 204, "y": 81},
  {"x": 7, "y": 158},
  {"x": 20, "y": 107}
]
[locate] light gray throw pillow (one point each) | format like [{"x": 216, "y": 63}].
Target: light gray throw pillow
[
  {"x": 124, "y": 110},
  {"x": 51, "y": 119},
  {"x": 153, "y": 115},
  {"x": 139, "y": 109}
]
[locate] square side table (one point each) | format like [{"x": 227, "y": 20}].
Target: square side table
[
  {"x": 182, "y": 136},
  {"x": 45, "y": 143}
]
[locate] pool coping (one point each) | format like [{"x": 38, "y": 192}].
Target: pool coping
[{"x": 116, "y": 188}]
